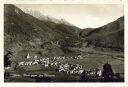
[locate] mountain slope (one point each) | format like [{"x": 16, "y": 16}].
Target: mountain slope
[
  {"x": 107, "y": 36},
  {"x": 43, "y": 17},
  {"x": 25, "y": 32}
]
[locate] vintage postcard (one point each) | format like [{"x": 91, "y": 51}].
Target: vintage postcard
[{"x": 64, "y": 43}]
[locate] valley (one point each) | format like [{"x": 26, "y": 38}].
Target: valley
[{"x": 53, "y": 50}]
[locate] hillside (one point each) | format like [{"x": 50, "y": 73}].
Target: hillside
[
  {"x": 39, "y": 48},
  {"x": 107, "y": 36},
  {"x": 24, "y": 32},
  {"x": 43, "y": 17}
]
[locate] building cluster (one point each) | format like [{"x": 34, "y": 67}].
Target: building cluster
[
  {"x": 106, "y": 74},
  {"x": 54, "y": 63},
  {"x": 95, "y": 72},
  {"x": 68, "y": 68},
  {"x": 45, "y": 61}
]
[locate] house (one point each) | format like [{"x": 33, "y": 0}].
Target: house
[
  {"x": 28, "y": 56},
  {"x": 21, "y": 63},
  {"x": 46, "y": 65},
  {"x": 28, "y": 63},
  {"x": 35, "y": 62},
  {"x": 80, "y": 71},
  {"x": 35, "y": 57}
]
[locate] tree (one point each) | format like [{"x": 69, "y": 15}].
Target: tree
[
  {"x": 7, "y": 61},
  {"x": 84, "y": 77},
  {"x": 107, "y": 73}
]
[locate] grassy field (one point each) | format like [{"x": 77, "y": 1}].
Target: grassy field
[
  {"x": 91, "y": 59},
  {"x": 96, "y": 59}
]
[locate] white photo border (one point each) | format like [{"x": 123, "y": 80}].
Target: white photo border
[{"x": 75, "y": 84}]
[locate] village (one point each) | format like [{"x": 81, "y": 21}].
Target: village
[
  {"x": 57, "y": 66},
  {"x": 54, "y": 63}
]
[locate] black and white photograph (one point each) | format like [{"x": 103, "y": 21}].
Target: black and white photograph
[{"x": 64, "y": 43}]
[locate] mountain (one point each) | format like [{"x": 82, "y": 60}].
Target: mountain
[
  {"x": 47, "y": 36},
  {"x": 107, "y": 36},
  {"x": 23, "y": 32},
  {"x": 43, "y": 17}
]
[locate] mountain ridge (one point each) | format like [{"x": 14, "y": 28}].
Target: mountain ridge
[
  {"x": 110, "y": 35},
  {"x": 43, "y": 17},
  {"x": 26, "y": 32}
]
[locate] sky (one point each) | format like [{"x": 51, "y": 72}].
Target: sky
[{"x": 80, "y": 15}]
